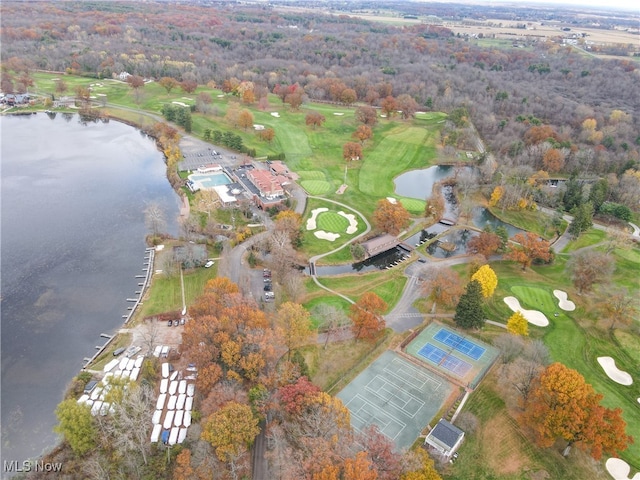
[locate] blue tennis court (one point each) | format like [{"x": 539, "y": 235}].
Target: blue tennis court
[
  {"x": 444, "y": 360},
  {"x": 459, "y": 343}
]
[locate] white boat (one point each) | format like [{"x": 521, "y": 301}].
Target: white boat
[
  {"x": 173, "y": 387},
  {"x": 173, "y": 436},
  {"x": 182, "y": 386},
  {"x": 111, "y": 365},
  {"x": 107, "y": 378},
  {"x": 155, "y": 434},
  {"x": 186, "y": 420},
  {"x": 96, "y": 393},
  {"x": 157, "y": 351},
  {"x": 165, "y": 351},
  {"x": 191, "y": 389},
  {"x": 126, "y": 373},
  {"x": 177, "y": 420},
  {"x": 164, "y": 384},
  {"x": 117, "y": 373},
  {"x": 182, "y": 435},
  {"x": 139, "y": 360},
  {"x": 122, "y": 365},
  {"x": 188, "y": 405},
  {"x": 134, "y": 373},
  {"x": 171, "y": 404},
  {"x": 104, "y": 409},
  {"x": 130, "y": 364},
  {"x": 160, "y": 402},
  {"x": 165, "y": 370},
  {"x": 157, "y": 415},
  {"x": 168, "y": 419},
  {"x": 83, "y": 398},
  {"x": 174, "y": 375},
  {"x": 181, "y": 400}
]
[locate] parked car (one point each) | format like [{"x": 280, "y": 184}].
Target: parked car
[
  {"x": 209, "y": 264},
  {"x": 267, "y": 287},
  {"x": 182, "y": 320},
  {"x": 88, "y": 388},
  {"x": 169, "y": 323},
  {"x": 176, "y": 323}
]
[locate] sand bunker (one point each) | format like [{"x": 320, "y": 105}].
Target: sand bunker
[
  {"x": 338, "y": 114},
  {"x": 392, "y": 200},
  {"x": 563, "y": 303},
  {"x": 182, "y": 104},
  {"x": 275, "y": 114},
  {"x": 608, "y": 364},
  {"x": 311, "y": 222},
  {"x": 353, "y": 223},
  {"x": 620, "y": 470},
  {"x": 532, "y": 316},
  {"x": 326, "y": 235}
]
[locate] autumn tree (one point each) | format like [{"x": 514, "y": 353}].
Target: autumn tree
[
  {"x": 390, "y": 217},
  {"x": 518, "y": 325},
  {"x": 245, "y": 119},
  {"x": 188, "y": 86},
  {"x": 76, "y": 425},
  {"x": 267, "y": 135},
  {"x": 183, "y": 469},
  {"x": 587, "y": 267},
  {"x": 362, "y": 133},
  {"x": 553, "y": 160},
  {"x": 231, "y": 432},
  {"x": 485, "y": 244},
  {"x": 562, "y": 405},
  {"x": 168, "y": 83},
  {"x": 314, "y": 119},
  {"x": 295, "y": 322},
  {"x": 381, "y": 451},
  {"x": 352, "y": 151},
  {"x": 289, "y": 222},
  {"x": 61, "y": 86},
  {"x": 294, "y": 100},
  {"x": 389, "y": 106},
  {"x": 348, "y": 96},
  {"x": 419, "y": 466},
  {"x": 366, "y": 115},
  {"x": 366, "y": 315},
  {"x": 620, "y": 307},
  {"x": 407, "y": 105},
  {"x": 529, "y": 247},
  {"x": 487, "y": 278},
  {"x": 443, "y": 286},
  {"x": 469, "y": 312},
  {"x": 135, "y": 81}
]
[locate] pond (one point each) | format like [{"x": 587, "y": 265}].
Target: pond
[
  {"x": 452, "y": 244},
  {"x": 419, "y": 183},
  {"x": 483, "y": 217}
]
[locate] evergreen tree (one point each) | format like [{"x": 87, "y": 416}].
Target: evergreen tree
[
  {"x": 599, "y": 193},
  {"x": 582, "y": 219},
  {"x": 573, "y": 194},
  {"x": 469, "y": 310}
]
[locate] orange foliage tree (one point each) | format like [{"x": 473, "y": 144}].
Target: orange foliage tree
[
  {"x": 295, "y": 323},
  {"x": 362, "y": 133},
  {"x": 352, "y": 151},
  {"x": 366, "y": 315},
  {"x": 529, "y": 247},
  {"x": 553, "y": 160},
  {"x": 390, "y": 217},
  {"x": 563, "y": 405},
  {"x": 314, "y": 119},
  {"x": 485, "y": 244},
  {"x": 443, "y": 286}
]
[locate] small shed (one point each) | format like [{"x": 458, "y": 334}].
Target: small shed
[{"x": 445, "y": 437}]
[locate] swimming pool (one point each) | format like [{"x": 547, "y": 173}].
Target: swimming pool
[{"x": 209, "y": 180}]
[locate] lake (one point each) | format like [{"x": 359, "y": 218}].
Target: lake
[{"x": 73, "y": 196}]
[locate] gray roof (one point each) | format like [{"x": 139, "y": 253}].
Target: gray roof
[{"x": 447, "y": 433}]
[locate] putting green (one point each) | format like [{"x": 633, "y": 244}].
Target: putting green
[
  {"x": 332, "y": 222},
  {"x": 311, "y": 175},
  {"x": 536, "y": 298},
  {"x": 316, "y": 187}
]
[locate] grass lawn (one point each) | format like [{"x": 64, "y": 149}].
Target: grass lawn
[
  {"x": 497, "y": 449},
  {"x": 338, "y": 303},
  {"x": 575, "y": 338},
  {"x": 529, "y": 220},
  {"x": 590, "y": 237}
]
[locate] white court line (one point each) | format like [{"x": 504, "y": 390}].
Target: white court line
[
  {"x": 390, "y": 390},
  {"x": 411, "y": 375},
  {"x": 378, "y": 415}
]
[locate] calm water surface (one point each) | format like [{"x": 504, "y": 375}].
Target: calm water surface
[{"x": 72, "y": 237}]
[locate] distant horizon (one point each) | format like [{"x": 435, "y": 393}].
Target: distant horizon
[{"x": 611, "y": 5}]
